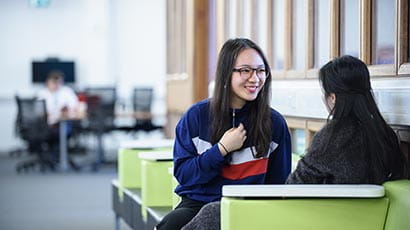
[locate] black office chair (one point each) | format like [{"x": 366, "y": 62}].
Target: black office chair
[
  {"x": 32, "y": 127},
  {"x": 100, "y": 116},
  {"x": 142, "y": 102}
]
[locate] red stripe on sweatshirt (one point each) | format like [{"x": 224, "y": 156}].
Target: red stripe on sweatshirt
[{"x": 240, "y": 171}]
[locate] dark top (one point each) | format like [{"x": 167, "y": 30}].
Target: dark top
[{"x": 344, "y": 161}]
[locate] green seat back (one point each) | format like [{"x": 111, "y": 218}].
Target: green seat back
[
  {"x": 175, "y": 198},
  {"x": 156, "y": 183},
  {"x": 398, "y": 216},
  {"x": 303, "y": 213},
  {"x": 129, "y": 166}
]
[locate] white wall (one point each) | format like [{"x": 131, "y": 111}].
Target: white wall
[
  {"x": 302, "y": 98},
  {"x": 140, "y": 45},
  {"x": 119, "y": 43}
]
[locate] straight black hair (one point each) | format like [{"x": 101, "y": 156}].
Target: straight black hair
[
  {"x": 259, "y": 119},
  {"x": 348, "y": 78}
]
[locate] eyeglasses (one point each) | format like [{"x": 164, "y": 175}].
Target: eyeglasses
[{"x": 247, "y": 72}]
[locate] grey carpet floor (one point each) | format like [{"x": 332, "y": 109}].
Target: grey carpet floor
[{"x": 71, "y": 200}]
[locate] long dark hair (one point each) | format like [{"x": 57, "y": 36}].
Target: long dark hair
[
  {"x": 348, "y": 78},
  {"x": 259, "y": 118}
]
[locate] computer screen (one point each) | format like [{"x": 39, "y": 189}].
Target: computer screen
[{"x": 40, "y": 70}]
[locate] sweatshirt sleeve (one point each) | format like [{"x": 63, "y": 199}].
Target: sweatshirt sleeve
[
  {"x": 306, "y": 173},
  {"x": 280, "y": 161},
  {"x": 191, "y": 167},
  {"x": 313, "y": 167}
]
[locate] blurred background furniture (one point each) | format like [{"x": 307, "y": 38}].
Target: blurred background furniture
[
  {"x": 32, "y": 127},
  {"x": 142, "y": 104},
  {"x": 100, "y": 116}
]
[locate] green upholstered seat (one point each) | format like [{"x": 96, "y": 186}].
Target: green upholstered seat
[
  {"x": 361, "y": 207},
  {"x": 175, "y": 198},
  {"x": 398, "y": 216},
  {"x": 129, "y": 166},
  {"x": 156, "y": 182},
  {"x": 389, "y": 212},
  {"x": 298, "y": 213}
]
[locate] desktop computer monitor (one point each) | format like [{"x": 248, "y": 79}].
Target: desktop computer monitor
[{"x": 40, "y": 70}]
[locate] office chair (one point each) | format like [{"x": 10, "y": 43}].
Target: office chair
[
  {"x": 101, "y": 115},
  {"x": 142, "y": 102},
  {"x": 32, "y": 127}
]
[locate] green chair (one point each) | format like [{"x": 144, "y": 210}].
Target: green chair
[
  {"x": 129, "y": 164},
  {"x": 293, "y": 207},
  {"x": 156, "y": 184},
  {"x": 398, "y": 216},
  {"x": 155, "y": 179},
  {"x": 175, "y": 198}
]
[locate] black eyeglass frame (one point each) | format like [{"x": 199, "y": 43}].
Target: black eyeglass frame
[{"x": 252, "y": 70}]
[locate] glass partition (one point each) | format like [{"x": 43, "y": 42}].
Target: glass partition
[
  {"x": 299, "y": 34},
  {"x": 278, "y": 33},
  {"x": 349, "y": 27},
  {"x": 383, "y": 32},
  {"x": 321, "y": 32},
  {"x": 408, "y": 31}
]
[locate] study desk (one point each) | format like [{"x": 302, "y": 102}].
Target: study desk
[
  {"x": 147, "y": 143},
  {"x": 64, "y": 120},
  {"x": 63, "y": 145},
  {"x": 139, "y": 115}
]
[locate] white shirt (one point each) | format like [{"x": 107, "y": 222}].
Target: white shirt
[{"x": 56, "y": 101}]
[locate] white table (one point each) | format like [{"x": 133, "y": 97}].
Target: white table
[
  {"x": 304, "y": 190},
  {"x": 147, "y": 143},
  {"x": 156, "y": 156}
]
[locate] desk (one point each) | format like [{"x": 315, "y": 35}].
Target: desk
[
  {"x": 63, "y": 138},
  {"x": 139, "y": 115},
  {"x": 147, "y": 144},
  {"x": 63, "y": 145}
]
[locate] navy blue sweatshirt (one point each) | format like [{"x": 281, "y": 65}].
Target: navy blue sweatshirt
[{"x": 200, "y": 168}]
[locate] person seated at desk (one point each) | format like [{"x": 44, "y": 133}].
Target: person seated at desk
[
  {"x": 61, "y": 103},
  {"x": 60, "y": 100},
  {"x": 356, "y": 146}
]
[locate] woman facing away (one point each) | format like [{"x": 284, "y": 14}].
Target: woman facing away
[
  {"x": 356, "y": 146},
  {"x": 232, "y": 138}
]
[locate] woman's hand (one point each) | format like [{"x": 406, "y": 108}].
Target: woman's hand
[{"x": 232, "y": 139}]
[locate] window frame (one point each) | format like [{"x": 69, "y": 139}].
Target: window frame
[
  {"x": 366, "y": 34},
  {"x": 403, "y": 65},
  {"x": 290, "y": 73},
  {"x": 333, "y": 34}
]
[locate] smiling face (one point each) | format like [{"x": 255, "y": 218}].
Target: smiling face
[{"x": 246, "y": 88}]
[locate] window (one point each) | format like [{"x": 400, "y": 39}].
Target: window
[
  {"x": 298, "y": 138},
  {"x": 244, "y": 16},
  {"x": 299, "y": 34},
  {"x": 260, "y": 23},
  {"x": 298, "y": 146},
  {"x": 278, "y": 31},
  {"x": 349, "y": 27},
  {"x": 383, "y": 32},
  {"x": 403, "y": 51},
  {"x": 321, "y": 32},
  {"x": 408, "y": 32}
]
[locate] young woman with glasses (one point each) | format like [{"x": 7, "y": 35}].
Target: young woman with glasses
[{"x": 233, "y": 138}]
